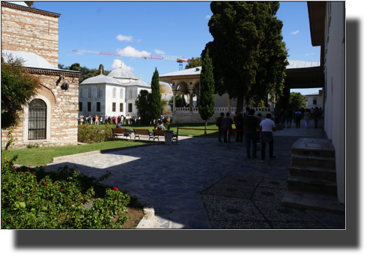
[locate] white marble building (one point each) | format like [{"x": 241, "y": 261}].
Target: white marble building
[{"x": 111, "y": 95}]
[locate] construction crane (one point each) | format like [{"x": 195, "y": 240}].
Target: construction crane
[{"x": 178, "y": 59}]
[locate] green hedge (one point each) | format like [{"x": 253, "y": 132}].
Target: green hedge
[{"x": 93, "y": 133}]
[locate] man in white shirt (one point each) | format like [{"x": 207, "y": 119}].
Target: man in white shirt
[{"x": 267, "y": 127}]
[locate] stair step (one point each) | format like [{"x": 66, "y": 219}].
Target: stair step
[
  {"x": 313, "y": 147},
  {"x": 316, "y": 161},
  {"x": 313, "y": 172},
  {"x": 312, "y": 201},
  {"x": 311, "y": 184}
]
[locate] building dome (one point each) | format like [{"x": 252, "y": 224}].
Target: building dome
[
  {"x": 101, "y": 79},
  {"x": 139, "y": 83},
  {"x": 122, "y": 73},
  {"x": 30, "y": 60}
]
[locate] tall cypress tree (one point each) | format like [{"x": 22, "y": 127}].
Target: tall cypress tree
[
  {"x": 206, "y": 102},
  {"x": 155, "y": 103},
  {"x": 248, "y": 52}
]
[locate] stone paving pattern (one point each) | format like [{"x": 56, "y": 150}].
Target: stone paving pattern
[{"x": 180, "y": 181}]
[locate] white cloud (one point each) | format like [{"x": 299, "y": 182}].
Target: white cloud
[
  {"x": 117, "y": 63},
  {"x": 307, "y": 54},
  {"x": 159, "y": 51},
  {"x": 295, "y": 32},
  {"x": 208, "y": 17},
  {"x": 131, "y": 52},
  {"x": 124, "y": 38}
]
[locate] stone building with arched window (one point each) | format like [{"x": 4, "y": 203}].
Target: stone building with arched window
[{"x": 50, "y": 117}]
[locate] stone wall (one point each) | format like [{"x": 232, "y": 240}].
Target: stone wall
[
  {"x": 62, "y": 124},
  {"x": 192, "y": 118},
  {"x": 30, "y": 30}
]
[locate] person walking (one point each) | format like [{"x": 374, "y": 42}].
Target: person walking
[
  {"x": 239, "y": 122},
  {"x": 297, "y": 117},
  {"x": 250, "y": 124},
  {"x": 219, "y": 125},
  {"x": 267, "y": 127},
  {"x": 289, "y": 117},
  {"x": 316, "y": 117},
  {"x": 227, "y": 125},
  {"x": 307, "y": 117}
]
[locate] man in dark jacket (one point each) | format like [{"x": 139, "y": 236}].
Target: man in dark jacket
[{"x": 251, "y": 135}]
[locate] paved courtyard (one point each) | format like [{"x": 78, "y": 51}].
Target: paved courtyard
[{"x": 181, "y": 182}]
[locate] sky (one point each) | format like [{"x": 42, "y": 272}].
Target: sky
[{"x": 157, "y": 28}]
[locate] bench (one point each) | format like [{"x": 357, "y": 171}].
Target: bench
[
  {"x": 160, "y": 132},
  {"x": 157, "y": 133},
  {"x": 120, "y": 131},
  {"x": 139, "y": 132}
]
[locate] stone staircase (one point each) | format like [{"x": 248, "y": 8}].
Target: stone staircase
[{"x": 311, "y": 183}]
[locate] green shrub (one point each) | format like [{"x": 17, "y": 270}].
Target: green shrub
[
  {"x": 93, "y": 133},
  {"x": 36, "y": 199}
]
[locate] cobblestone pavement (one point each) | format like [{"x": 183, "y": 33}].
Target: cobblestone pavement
[{"x": 177, "y": 180}]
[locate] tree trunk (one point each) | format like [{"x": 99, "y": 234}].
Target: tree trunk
[
  {"x": 240, "y": 103},
  {"x": 205, "y": 126}
]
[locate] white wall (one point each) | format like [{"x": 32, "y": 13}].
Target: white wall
[{"x": 335, "y": 87}]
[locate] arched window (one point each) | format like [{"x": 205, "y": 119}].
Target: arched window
[{"x": 37, "y": 120}]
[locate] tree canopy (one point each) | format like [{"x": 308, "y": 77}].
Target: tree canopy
[
  {"x": 297, "y": 101},
  {"x": 248, "y": 52},
  {"x": 206, "y": 102},
  {"x": 155, "y": 103},
  {"x": 194, "y": 62},
  {"x": 143, "y": 105},
  {"x": 86, "y": 72},
  {"x": 17, "y": 88}
]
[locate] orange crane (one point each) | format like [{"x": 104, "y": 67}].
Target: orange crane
[{"x": 178, "y": 59}]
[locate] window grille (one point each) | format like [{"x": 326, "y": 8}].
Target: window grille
[{"x": 37, "y": 120}]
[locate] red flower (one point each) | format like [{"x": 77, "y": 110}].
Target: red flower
[
  {"x": 33, "y": 175},
  {"x": 46, "y": 184},
  {"x": 27, "y": 169},
  {"x": 115, "y": 188},
  {"x": 22, "y": 174},
  {"x": 61, "y": 190},
  {"x": 57, "y": 183}
]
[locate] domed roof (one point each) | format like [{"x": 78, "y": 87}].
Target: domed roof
[
  {"x": 30, "y": 60},
  {"x": 121, "y": 73},
  {"x": 101, "y": 79},
  {"x": 140, "y": 83}
]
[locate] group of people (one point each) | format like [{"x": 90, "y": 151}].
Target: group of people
[
  {"x": 283, "y": 117},
  {"x": 160, "y": 122},
  {"x": 98, "y": 120},
  {"x": 252, "y": 127}
]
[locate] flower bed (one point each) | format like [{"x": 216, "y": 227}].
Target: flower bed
[{"x": 36, "y": 199}]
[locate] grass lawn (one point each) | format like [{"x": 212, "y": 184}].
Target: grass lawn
[{"x": 42, "y": 156}]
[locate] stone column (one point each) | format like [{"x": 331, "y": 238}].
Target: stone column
[
  {"x": 174, "y": 96},
  {"x": 191, "y": 96}
]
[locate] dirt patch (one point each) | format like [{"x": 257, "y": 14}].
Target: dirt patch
[{"x": 135, "y": 215}]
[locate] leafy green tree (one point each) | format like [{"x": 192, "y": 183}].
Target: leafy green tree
[
  {"x": 206, "y": 102},
  {"x": 86, "y": 72},
  {"x": 297, "y": 101},
  {"x": 143, "y": 105},
  {"x": 194, "y": 62},
  {"x": 155, "y": 102},
  {"x": 17, "y": 88},
  {"x": 249, "y": 56}
]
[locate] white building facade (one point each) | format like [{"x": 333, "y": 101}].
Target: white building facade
[{"x": 112, "y": 95}]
